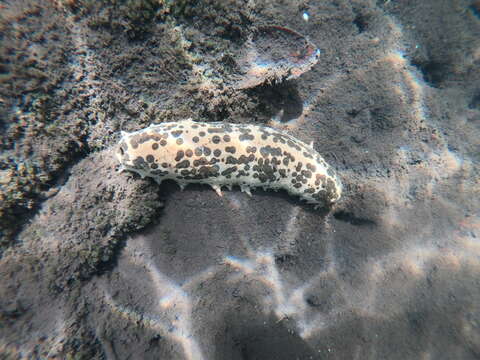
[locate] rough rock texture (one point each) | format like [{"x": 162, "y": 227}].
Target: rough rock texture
[{"x": 97, "y": 264}]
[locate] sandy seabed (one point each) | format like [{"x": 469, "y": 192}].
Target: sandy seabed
[{"x": 101, "y": 265}]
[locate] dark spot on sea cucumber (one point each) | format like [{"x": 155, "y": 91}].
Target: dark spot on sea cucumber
[
  {"x": 179, "y": 156},
  {"x": 154, "y": 166},
  {"x": 163, "y": 142},
  {"x": 244, "y": 129},
  {"x": 264, "y": 136},
  {"x": 139, "y": 162},
  {"x": 282, "y": 173},
  {"x": 289, "y": 156},
  {"x": 269, "y": 172},
  {"x": 198, "y": 151},
  {"x": 159, "y": 172},
  {"x": 268, "y": 150},
  {"x": 201, "y": 161},
  {"x": 164, "y": 165},
  {"x": 262, "y": 177},
  {"x": 206, "y": 150},
  {"x": 155, "y": 146},
  {"x": 251, "y": 149},
  {"x": 226, "y": 138},
  {"x": 183, "y": 164},
  {"x": 297, "y": 185},
  {"x": 143, "y": 137},
  {"x": 194, "y": 126},
  {"x": 208, "y": 171},
  {"x": 311, "y": 167},
  {"x": 179, "y": 141},
  {"x": 188, "y": 172},
  {"x": 216, "y": 139},
  {"x": 202, "y": 133},
  {"x": 150, "y": 158},
  {"x": 276, "y": 151},
  {"x": 246, "y": 137},
  {"x": 229, "y": 171},
  {"x": 189, "y": 153},
  {"x": 243, "y": 159},
  {"x": 231, "y": 160},
  {"x": 196, "y": 139},
  {"x": 217, "y": 152},
  {"x": 177, "y": 133},
  {"x": 230, "y": 149},
  {"x": 299, "y": 167},
  {"x": 123, "y": 148},
  {"x": 307, "y": 174}
]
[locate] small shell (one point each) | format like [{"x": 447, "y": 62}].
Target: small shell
[{"x": 275, "y": 53}]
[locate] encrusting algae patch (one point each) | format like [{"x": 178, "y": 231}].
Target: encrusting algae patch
[{"x": 222, "y": 154}]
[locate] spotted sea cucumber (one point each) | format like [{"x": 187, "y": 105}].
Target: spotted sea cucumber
[{"x": 222, "y": 154}]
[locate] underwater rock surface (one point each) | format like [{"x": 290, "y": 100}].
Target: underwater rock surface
[{"x": 98, "y": 265}]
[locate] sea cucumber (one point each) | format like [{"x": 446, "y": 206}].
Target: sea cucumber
[{"x": 222, "y": 154}]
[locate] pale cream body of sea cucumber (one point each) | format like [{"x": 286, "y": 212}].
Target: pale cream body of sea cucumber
[{"x": 223, "y": 154}]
